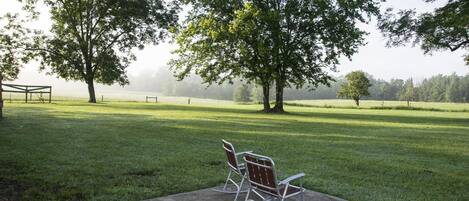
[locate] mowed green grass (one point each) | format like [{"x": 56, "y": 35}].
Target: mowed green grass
[
  {"x": 135, "y": 151},
  {"x": 376, "y": 103}
]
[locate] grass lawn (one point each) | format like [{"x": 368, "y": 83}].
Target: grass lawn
[
  {"x": 347, "y": 103},
  {"x": 132, "y": 151}
]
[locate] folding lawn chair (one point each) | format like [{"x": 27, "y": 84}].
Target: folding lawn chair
[
  {"x": 263, "y": 181},
  {"x": 235, "y": 168}
]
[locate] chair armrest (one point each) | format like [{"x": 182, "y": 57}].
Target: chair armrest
[
  {"x": 243, "y": 153},
  {"x": 289, "y": 179}
]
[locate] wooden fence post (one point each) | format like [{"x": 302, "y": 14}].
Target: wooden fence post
[
  {"x": 189, "y": 101},
  {"x": 156, "y": 99},
  {"x": 102, "y": 98}
]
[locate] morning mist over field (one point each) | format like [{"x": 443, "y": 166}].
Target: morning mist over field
[
  {"x": 374, "y": 58},
  {"x": 228, "y": 100}
]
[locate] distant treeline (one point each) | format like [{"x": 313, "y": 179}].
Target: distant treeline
[{"x": 440, "y": 88}]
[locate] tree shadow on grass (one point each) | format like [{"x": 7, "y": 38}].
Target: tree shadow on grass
[
  {"x": 116, "y": 156},
  {"x": 191, "y": 108},
  {"x": 444, "y": 121},
  {"x": 464, "y": 122}
]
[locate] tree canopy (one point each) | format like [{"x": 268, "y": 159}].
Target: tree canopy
[
  {"x": 224, "y": 40},
  {"x": 446, "y": 28},
  {"x": 14, "y": 39},
  {"x": 356, "y": 87},
  {"x": 92, "y": 40},
  {"x": 408, "y": 92},
  {"x": 290, "y": 43}
]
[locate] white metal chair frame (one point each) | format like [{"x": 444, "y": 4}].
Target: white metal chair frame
[
  {"x": 239, "y": 170},
  {"x": 284, "y": 183}
]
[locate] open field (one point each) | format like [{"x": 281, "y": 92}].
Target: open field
[
  {"x": 72, "y": 150},
  {"x": 376, "y": 103},
  {"x": 139, "y": 96},
  {"x": 134, "y": 96}
]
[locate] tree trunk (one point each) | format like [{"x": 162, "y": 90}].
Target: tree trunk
[
  {"x": 266, "y": 101},
  {"x": 89, "y": 73},
  {"x": 357, "y": 102},
  {"x": 1, "y": 98},
  {"x": 278, "y": 108},
  {"x": 91, "y": 91}
]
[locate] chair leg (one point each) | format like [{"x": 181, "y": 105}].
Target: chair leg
[
  {"x": 302, "y": 191},
  {"x": 247, "y": 195},
  {"x": 239, "y": 188},
  {"x": 227, "y": 180}
]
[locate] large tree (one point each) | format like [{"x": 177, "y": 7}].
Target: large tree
[
  {"x": 292, "y": 43},
  {"x": 221, "y": 41},
  {"x": 446, "y": 28},
  {"x": 309, "y": 37},
  {"x": 92, "y": 40}
]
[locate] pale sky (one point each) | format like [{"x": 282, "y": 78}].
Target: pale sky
[{"x": 374, "y": 58}]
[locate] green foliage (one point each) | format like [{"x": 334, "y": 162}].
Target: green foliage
[
  {"x": 222, "y": 41},
  {"x": 356, "y": 87},
  {"x": 242, "y": 94},
  {"x": 437, "y": 86},
  {"x": 93, "y": 40},
  {"x": 444, "y": 28},
  {"x": 293, "y": 43},
  {"x": 453, "y": 89},
  {"x": 15, "y": 38},
  {"x": 204, "y": 44},
  {"x": 407, "y": 92}
]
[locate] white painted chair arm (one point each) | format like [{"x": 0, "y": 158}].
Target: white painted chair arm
[
  {"x": 289, "y": 179},
  {"x": 243, "y": 153}
]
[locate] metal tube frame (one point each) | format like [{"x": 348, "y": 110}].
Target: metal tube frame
[
  {"x": 280, "y": 195},
  {"x": 236, "y": 170}
]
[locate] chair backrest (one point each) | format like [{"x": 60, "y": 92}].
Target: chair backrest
[
  {"x": 231, "y": 155},
  {"x": 261, "y": 173}
]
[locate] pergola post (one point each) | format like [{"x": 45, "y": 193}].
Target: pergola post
[
  {"x": 1, "y": 98},
  {"x": 50, "y": 94},
  {"x": 26, "y": 95}
]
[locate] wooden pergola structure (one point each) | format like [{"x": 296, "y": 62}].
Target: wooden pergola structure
[{"x": 28, "y": 90}]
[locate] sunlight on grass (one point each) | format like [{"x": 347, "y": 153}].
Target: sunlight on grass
[
  {"x": 132, "y": 151},
  {"x": 376, "y": 103}
]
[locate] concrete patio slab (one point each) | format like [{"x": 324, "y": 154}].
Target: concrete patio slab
[{"x": 211, "y": 195}]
